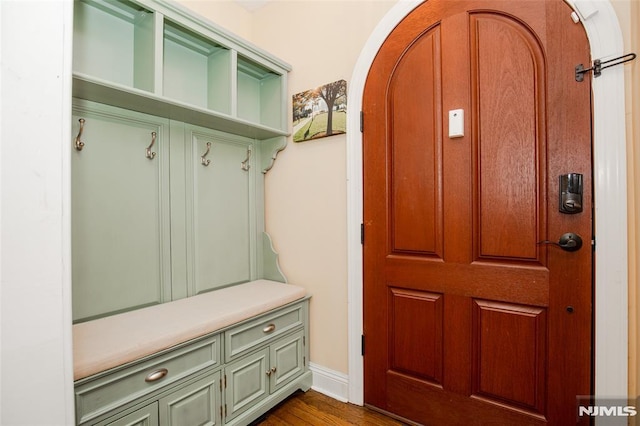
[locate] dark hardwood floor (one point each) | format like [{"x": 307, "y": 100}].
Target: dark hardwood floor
[{"x": 316, "y": 409}]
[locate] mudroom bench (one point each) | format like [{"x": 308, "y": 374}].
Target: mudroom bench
[{"x": 222, "y": 357}]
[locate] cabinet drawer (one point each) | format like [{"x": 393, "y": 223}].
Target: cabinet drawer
[
  {"x": 97, "y": 396},
  {"x": 245, "y": 337}
]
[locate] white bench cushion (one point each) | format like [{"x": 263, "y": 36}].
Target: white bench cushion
[{"x": 105, "y": 343}]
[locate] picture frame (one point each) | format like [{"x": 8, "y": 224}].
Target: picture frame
[{"x": 320, "y": 112}]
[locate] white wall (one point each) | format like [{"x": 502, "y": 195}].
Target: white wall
[
  {"x": 36, "y": 376},
  {"x": 306, "y": 191},
  {"x": 226, "y": 13}
]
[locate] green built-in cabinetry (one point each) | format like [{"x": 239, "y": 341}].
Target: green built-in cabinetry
[
  {"x": 230, "y": 376},
  {"x": 175, "y": 122},
  {"x": 154, "y": 56},
  {"x": 161, "y": 210},
  {"x": 120, "y": 212}
]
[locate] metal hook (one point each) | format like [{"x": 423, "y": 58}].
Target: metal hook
[
  {"x": 149, "y": 154},
  {"x": 245, "y": 164},
  {"x": 203, "y": 158},
  {"x": 77, "y": 143}
]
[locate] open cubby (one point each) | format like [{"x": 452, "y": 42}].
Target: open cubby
[
  {"x": 259, "y": 94},
  {"x": 155, "y": 57},
  {"x": 114, "y": 41},
  {"x": 196, "y": 70}
]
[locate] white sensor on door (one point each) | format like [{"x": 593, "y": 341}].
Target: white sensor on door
[{"x": 456, "y": 123}]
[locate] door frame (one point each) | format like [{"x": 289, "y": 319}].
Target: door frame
[{"x": 610, "y": 194}]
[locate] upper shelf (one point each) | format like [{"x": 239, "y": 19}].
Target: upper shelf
[{"x": 158, "y": 58}]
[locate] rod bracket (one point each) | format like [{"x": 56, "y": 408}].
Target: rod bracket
[{"x": 599, "y": 65}]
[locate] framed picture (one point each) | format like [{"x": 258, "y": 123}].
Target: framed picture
[{"x": 320, "y": 112}]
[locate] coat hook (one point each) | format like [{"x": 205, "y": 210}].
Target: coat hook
[
  {"x": 203, "y": 158},
  {"x": 245, "y": 164},
  {"x": 149, "y": 154},
  {"x": 78, "y": 144}
]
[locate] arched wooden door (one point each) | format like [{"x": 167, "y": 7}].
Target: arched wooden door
[{"x": 470, "y": 315}]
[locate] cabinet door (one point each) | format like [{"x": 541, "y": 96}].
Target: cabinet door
[
  {"x": 287, "y": 359},
  {"x": 247, "y": 383},
  {"x": 196, "y": 404},
  {"x": 221, "y": 209},
  {"x": 120, "y": 221},
  {"x": 146, "y": 416}
]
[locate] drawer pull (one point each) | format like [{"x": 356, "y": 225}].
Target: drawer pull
[
  {"x": 156, "y": 375},
  {"x": 269, "y": 328}
]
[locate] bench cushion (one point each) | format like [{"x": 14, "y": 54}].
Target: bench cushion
[{"x": 105, "y": 343}]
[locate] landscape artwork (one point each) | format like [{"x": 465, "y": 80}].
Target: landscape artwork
[{"x": 320, "y": 112}]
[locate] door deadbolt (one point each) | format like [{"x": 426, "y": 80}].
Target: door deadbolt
[{"x": 571, "y": 193}]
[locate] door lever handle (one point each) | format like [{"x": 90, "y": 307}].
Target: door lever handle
[{"x": 567, "y": 242}]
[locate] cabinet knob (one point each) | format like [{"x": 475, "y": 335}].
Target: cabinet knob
[{"x": 156, "y": 375}]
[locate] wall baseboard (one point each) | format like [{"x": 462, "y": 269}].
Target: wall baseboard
[{"x": 329, "y": 382}]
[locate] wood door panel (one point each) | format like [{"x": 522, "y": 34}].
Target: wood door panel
[
  {"x": 416, "y": 324},
  {"x": 507, "y": 81},
  {"x": 510, "y": 344},
  {"x": 453, "y": 225},
  {"x": 429, "y": 407},
  {"x": 515, "y": 283},
  {"x": 416, "y": 149}
]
